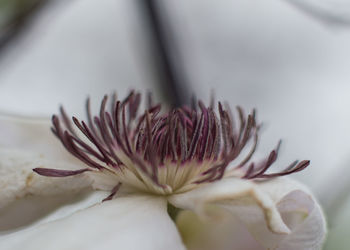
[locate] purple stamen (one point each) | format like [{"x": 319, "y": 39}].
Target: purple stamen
[{"x": 152, "y": 139}]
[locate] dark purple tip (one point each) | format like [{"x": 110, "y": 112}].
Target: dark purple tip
[{"x": 58, "y": 172}]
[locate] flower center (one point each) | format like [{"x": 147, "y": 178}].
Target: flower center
[{"x": 163, "y": 152}]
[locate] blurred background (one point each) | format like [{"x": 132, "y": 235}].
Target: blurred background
[{"x": 290, "y": 59}]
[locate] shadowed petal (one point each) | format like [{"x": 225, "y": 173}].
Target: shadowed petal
[
  {"x": 30, "y": 211},
  {"x": 223, "y": 233},
  {"x": 129, "y": 223}
]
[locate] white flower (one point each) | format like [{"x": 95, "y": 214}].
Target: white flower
[{"x": 171, "y": 179}]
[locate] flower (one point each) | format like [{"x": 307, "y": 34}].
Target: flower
[{"x": 176, "y": 180}]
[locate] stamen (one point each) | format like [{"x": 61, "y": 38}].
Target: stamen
[
  {"x": 113, "y": 192},
  {"x": 163, "y": 151},
  {"x": 58, "y": 172}
]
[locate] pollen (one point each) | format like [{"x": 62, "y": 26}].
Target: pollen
[{"x": 163, "y": 151}]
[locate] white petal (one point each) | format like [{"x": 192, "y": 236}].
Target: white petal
[
  {"x": 128, "y": 223},
  {"x": 300, "y": 211},
  {"x": 260, "y": 207},
  {"x": 240, "y": 196},
  {"x": 17, "y": 178}
]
